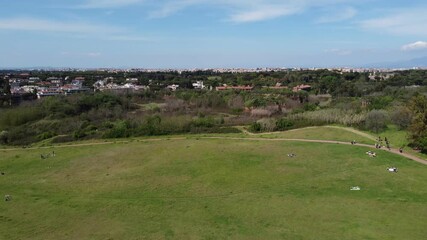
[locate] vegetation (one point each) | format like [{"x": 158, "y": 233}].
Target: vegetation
[
  {"x": 210, "y": 187},
  {"x": 367, "y": 101},
  {"x": 204, "y": 188}
]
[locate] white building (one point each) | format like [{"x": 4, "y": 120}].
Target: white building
[{"x": 198, "y": 85}]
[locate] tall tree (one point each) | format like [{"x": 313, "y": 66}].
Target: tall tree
[{"x": 418, "y": 127}]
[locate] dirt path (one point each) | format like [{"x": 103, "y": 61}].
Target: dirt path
[
  {"x": 395, "y": 151},
  {"x": 94, "y": 144},
  {"x": 241, "y": 128},
  {"x": 360, "y": 133}
]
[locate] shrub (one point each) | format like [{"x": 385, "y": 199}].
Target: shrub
[
  {"x": 267, "y": 124},
  {"x": 204, "y": 122},
  {"x": 259, "y": 112},
  {"x": 284, "y": 124},
  {"x": 4, "y": 137},
  {"x": 22, "y": 135},
  {"x": 401, "y": 117},
  {"x": 376, "y": 120},
  {"x": 79, "y": 134},
  {"x": 62, "y": 139},
  {"x": 310, "y": 107},
  {"x": 45, "y": 135},
  {"x": 331, "y": 116},
  {"x": 255, "y": 127},
  {"x": 119, "y": 130},
  {"x": 19, "y": 116}
]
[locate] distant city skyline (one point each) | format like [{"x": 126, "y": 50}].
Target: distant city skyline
[{"x": 212, "y": 34}]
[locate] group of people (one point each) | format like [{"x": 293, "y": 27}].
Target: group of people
[
  {"x": 379, "y": 144},
  {"x": 44, "y": 156},
  {"x": 7, "y": 198},
  {"x": 371, "y": 154}
]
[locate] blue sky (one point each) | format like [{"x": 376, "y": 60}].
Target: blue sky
[{"x": 205, "y": 34}]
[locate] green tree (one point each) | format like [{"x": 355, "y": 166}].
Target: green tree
[
  {"x": 401, "y": 117},
  {"x": 6, "y": 87},
  {"x": 376, "y": 120},
  {"x": 418, "y": 127},
  {"x": 4, "y": 137}
]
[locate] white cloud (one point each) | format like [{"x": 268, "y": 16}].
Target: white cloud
[
  {"x": 400, "y": 22},
  {"x": 238, "y": 11},
  {"x": 78, "y": 29},
  {"x": 76, "y": 54},
  {"x": 338, "y": 15},
  {"x": 169, "y": 8},
  {"x": 128, "y": 38},
  {"x": 340, "y": 52},
  {"x": 90, "y": 4},
  {"x": 264, "y": 13},
  {"x": 420, "y": 45},
  {"x": 33, "y": 24}
]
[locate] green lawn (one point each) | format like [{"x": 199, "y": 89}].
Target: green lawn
[
  {"x": 321, "y": 133},
  {"x": 211, "y": 189},
  {"x": 398, "y": 138}
]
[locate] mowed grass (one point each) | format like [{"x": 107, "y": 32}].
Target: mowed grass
[
  {"x": 211, "y": 189},
  {"x": 322, "y": 133}
]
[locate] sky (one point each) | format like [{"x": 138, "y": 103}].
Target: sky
[{"x": 210, "y": 33}]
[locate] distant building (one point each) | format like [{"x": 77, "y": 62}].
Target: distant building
[
  {"x": 240, "y": 88},
  {"x": 132, "y": 80},
  {"x": 301, "y": 87},
  {"x": 77, "y": 82},
  {"x": 102, "y": 85},
  {"x": 73, "y": 89},
  {"x": 172, "y": 87},
  {"x": 198, "y": 85},
  {"x": 278, "y": 86},
  {"x": 55, "y": 80},
  {"x": 33, "y": 79},
  {"x": 49, "y": 92},
  {"x": 24, "y": 75}
]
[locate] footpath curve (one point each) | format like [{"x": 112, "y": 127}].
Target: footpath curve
[{"x": 395, "y": 151}]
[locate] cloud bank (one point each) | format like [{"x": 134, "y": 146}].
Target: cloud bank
[{"x": 420, "y": 45}]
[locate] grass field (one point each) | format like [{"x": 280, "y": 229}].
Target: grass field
[
  {"x": 211, "y": 189},
  {"x": 322, "y": 133}
]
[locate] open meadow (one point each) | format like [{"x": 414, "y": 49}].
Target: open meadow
[{"x": 200, "y": 188}]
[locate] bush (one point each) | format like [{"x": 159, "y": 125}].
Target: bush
[
  {"x": 255, "y": 127},
  {"x": 284, "y": 124},
  {"x": 310, "y": 107},
  {"x": 79, "y": 134},
  {"x": 204, "y": 122},
  {"x": 98, "y": 100},
  {"x": 267, "y": 124},
  {"x": 401, "y": 117},
  {"x": 45, "y": 135},
  {"x": 22, "y": 135},
  {"x": 331, "y": 116},
  {"x": 4, "y": 137},
  {"x": 19, "y": 116},
  {"x": 215, "y": 129},
  {"x": 420, "y": 144},
  {"x": 121, "y": 129},
  {"x": 376, "y": 120},
  {"x": 62, "y": 139}
]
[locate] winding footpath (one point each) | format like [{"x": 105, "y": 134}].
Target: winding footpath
[{"x": 394, "y": 151}]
